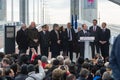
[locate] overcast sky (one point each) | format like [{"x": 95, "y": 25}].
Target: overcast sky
[{"x": 58, "y": 11}]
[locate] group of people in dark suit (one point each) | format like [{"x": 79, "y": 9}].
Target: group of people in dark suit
[
  {"x": 63, "y": 39},
  {"x": 101, "y": 41},
  {"x": 27, "y": 37}
]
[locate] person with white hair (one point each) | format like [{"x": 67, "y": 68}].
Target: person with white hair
[
  {"x": 21, "y": 39},
  {"x": 60, "y": 59},
  {"x": 107, "y": 76}
]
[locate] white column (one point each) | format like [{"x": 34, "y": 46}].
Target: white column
[
  {"x": 38, "y": 12},
  {"x": 33, "y": 10}
]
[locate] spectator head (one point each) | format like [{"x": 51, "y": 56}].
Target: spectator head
[
  {"x": 107, "y": 66},
  {"x": 56, "y": 27},
  {"x": 9, "y": 72},
  {"x": 102, "y": 70},
  {"x": 107, "y": 76},
  {"x": 5, "y": 62},
  {"x": 1, "y": 56},
  {"x": 47, "y": 28},
  {"x": 30, "y": 68},
  {"x": 69, "y": 25},
  {"x": 100, "y": 62},
  {"x": 51, "y": 61},
  {"x": 61, "y": 28},
  {"x": 86, "y": 65},
  {"x": 67, "y": 61},
  {"x": 14, "y": 67},
  {"x": 94, "y": 22},
  {"x": 71, "y": 77},
  {"x": 57, "y": 74},
  {"x": 72, "y": 68},
  {"x": 98, "y": 73},
  {"x": 23, "y": 69},
  {"x": 44, "y": 27},
  {"x": 32, "y": 25},
  {"x": 84, "y": 73},
  {"x": 60, "y": 59},
  {"x": 104, "y": 25},
  {"x": 55, "y": 62},
  {"x": 23, "y": 59},
  {"x": 23, "y": 26},
  {"x": 84, "y": 26},
  {"x": 80, "y": 60},
  {"x": 79, "y": 29},
  {"x": 44, "y": 59}
]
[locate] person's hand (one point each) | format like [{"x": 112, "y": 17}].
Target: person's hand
[
  {"x": 35, "y": 40},
  {"x": 33, "y": 51},
  {"x": 39, "y": 63},
  {"x": 101, "y": 42},
  {"x": 58, "y": 41},
  {"x": 104, "y": 42}
]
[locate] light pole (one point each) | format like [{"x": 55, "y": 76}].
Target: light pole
[{"x": 12, "y": 11}]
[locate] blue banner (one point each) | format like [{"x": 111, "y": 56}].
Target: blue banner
[
  {"x": 72, "y": 21},
  {"x": 76, "y": 24}
]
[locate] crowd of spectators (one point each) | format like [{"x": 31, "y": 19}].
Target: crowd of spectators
[{"x": 20, "y": 67}]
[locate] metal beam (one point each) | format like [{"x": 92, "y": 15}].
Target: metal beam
[{"x": 115, "y": 1}]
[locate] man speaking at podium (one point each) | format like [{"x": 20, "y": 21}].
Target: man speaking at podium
[{"x": 83, "y": 33}]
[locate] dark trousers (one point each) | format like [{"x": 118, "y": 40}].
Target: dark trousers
[
  {"x": 55, "y": 50},
  {"x": 95, "y": 46},
  {"x": 30, "y": 52},
  {"x": 44, "y": 51},
  {"x": 104, "y": 50},
  {"x": 70, "y": 49},
  {"x": 82, "y": 49}
]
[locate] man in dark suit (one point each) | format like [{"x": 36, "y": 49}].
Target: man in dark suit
[
  {"x": 71, "y": 39},
  {"x": 104, "y": 36},
  {"x": 55, "y": 41},
  {"x": 94, "y": 30},
  {"x": 83, "y": 33},
  {"x": 44, "y": 41},
  {"x": 22, "y": 39}
]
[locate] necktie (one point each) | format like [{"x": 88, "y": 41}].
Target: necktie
[
  {"x": 69, "y": 34},
  {"x": 94, "y": 28},
  {"x": 44, "y": 32},
  {"x": 57, "y": 35},
  {"x": 85, "y": 32},
  {"x": 103, "y": 30}
]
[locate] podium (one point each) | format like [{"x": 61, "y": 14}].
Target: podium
[{"x": 87, "y": 40}]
